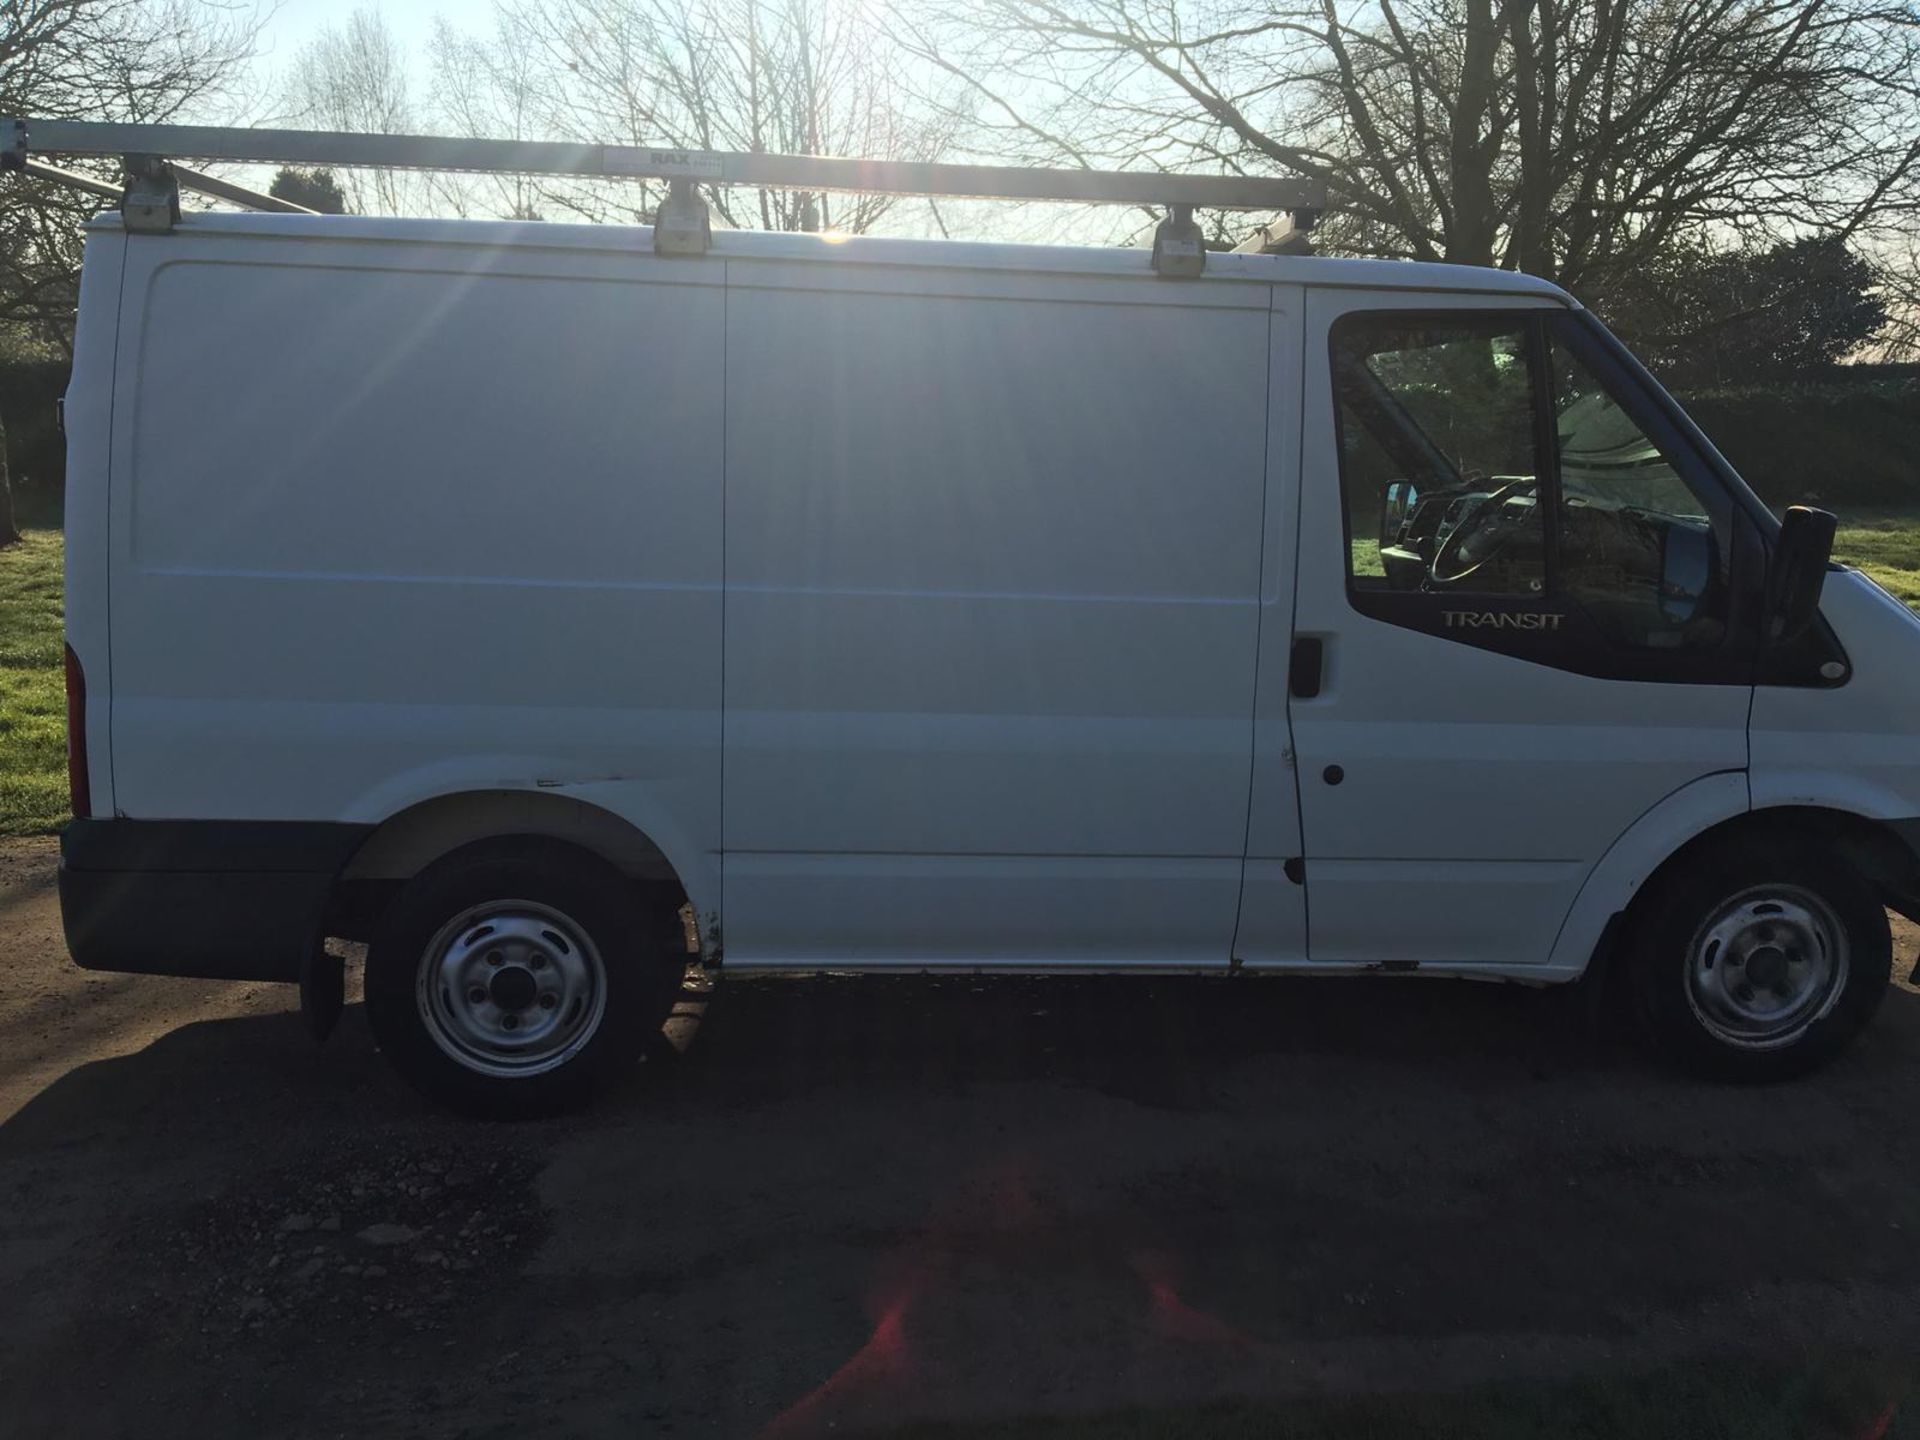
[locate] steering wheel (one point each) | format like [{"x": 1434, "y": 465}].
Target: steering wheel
[{"x": 1482, "y": 534}]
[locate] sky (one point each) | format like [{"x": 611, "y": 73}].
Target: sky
[{"x": 294, "y": 22}]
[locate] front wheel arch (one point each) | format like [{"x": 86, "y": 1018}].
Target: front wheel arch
[
  {"x": 1703, "y": 811},
  {"x": 1870, "y": 847},
  {"x": 1669, "y": 937}
]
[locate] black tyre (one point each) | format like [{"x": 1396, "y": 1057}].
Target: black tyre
[
  {"x": 516, "y": 977},
  {"x": 1758, "y": 957}
]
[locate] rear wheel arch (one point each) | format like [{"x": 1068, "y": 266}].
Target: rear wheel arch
[{"x": 413, "y": 839}]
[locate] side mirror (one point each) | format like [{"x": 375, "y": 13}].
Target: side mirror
[
  {"x": 1401, "y": 495},
  {"x": 1798, "y": 572}
]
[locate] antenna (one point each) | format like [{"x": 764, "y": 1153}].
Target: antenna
[{"x": 152, "y": 156}]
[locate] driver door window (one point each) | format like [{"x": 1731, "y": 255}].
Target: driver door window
[
  {"x": 1439, "y": 455},
  {"x": 1502, "y": 486}
]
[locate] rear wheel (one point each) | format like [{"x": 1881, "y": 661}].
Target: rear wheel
[
  {"x": 1759, "y": 958},
  {"x": 516, "y": 977}
]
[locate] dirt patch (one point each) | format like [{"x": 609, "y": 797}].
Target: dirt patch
[{"x": 375, "y": 1228}]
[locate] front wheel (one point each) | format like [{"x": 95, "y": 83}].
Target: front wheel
[
  {"x": 1758, "y": 958},
  {"x": 516, "y": 977}
]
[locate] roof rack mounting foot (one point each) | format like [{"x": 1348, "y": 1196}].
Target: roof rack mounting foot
[
  {"x": 682, "y": 226},
  {"x": 1179, "y": 252},
  {"x": 1290, "y": 234},
  {"x": 150, "y": 204}
]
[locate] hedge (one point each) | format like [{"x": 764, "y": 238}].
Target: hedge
[
  {"x": 1852, "y": 442},
  {"x": 29, "y": 392}
]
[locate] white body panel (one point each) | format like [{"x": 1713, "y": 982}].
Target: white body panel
[
  {"x": 993, "y": 551},
  {"x": 395, "y": 522},
  {"x": 1853, "y": 748},
  {"x": 89, "y": 426},
  {"x": 925, "y": 605}
]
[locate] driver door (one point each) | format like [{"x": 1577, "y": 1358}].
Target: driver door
[{"x": 1541, "y": 633}]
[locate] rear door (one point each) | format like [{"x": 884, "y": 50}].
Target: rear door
[{"x": 1530, "y": 600}]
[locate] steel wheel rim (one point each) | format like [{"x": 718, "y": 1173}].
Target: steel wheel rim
[
  {"x": 511, "y": 988},
  {"x": 1766, "y": 965}
]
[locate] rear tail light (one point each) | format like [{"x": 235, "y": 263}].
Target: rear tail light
[{"x": 77, "y": 793}]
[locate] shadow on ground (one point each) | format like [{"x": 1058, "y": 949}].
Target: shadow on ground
[{"x": 850, "y": 1203}]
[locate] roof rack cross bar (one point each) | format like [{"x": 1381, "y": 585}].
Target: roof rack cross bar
[
  {"x": 715, "y": 167},
  {"x": 1177, "y": 241}
]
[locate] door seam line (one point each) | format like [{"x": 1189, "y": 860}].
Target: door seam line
[{"x": 1259, "y": 629}]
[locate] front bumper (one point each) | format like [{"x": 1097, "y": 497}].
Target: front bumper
[{"x": 218, "y": 899}]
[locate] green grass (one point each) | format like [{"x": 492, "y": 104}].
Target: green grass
[
  {"x": 1886, "y": 547},
  {"x": 1819, "y": 1398},
  {"x": 33, "y": 707}
]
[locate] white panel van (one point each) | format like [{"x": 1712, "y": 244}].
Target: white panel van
[{"x": 494, "y": 593}]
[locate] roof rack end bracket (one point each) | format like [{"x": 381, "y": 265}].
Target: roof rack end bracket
[
  {"x": 1291, "y": 234},
  {"x": 682, "y": 225},
  {"x": 1179, "y": 252},
  {"x": 150, "y": 204}
]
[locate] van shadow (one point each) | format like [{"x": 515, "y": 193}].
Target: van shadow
[
  {"x": 1427, "y": 1109},
  {"x": 1159, "y": 1041},
  {"x": 1155, "y": 1040}
]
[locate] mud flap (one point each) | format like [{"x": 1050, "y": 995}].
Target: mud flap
[{"x": 323, "y": 991}]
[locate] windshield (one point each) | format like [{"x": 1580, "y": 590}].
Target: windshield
[{"x": 1607, "y": 460}]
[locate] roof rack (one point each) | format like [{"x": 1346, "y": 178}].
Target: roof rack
[{"x": 152, "y": 156}]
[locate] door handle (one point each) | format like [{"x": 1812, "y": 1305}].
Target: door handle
[{"x": 1305, "y": 665}]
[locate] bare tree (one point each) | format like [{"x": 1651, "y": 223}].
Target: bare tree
[
  {"x": 1899, "y": 275},
  {"x": 488, "y": 89},
  {"x": 792, "y": 76},
  {"x": 138, "y": 60},
  {"x": 1572, "y": 138},
  {"x": 9, "y": 531},
  {"x": 353, "y": 77}
]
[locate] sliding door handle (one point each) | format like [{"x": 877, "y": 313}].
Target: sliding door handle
[{"x": 1304, "y": 669}]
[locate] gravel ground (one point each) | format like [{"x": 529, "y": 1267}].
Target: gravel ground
[{"x": 836, "y": 1204}]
